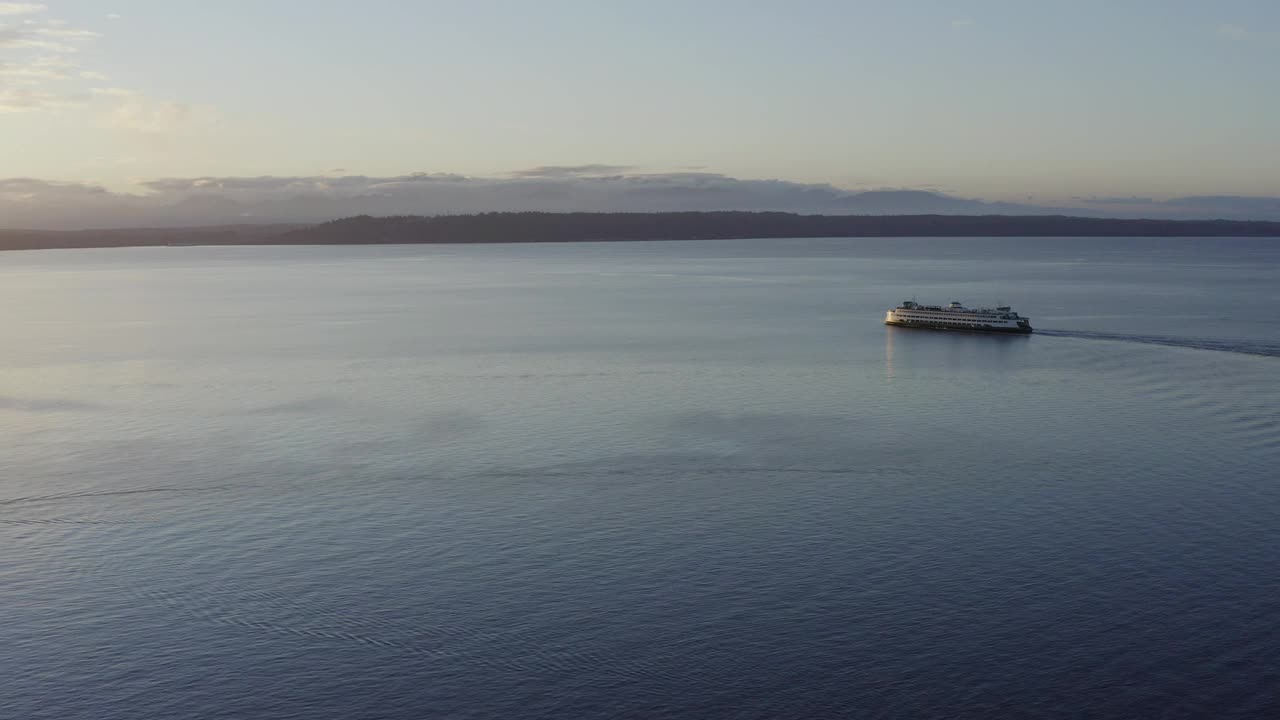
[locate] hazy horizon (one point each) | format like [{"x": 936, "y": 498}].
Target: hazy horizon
[{"x": 144, "y": 113}]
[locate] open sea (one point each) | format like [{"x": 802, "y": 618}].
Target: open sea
[{"x": 640, "y": 480}]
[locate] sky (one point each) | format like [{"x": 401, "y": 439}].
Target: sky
[{"x": 149, "y": 111}]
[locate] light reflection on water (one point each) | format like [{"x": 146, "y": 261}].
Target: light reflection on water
[{"x": 557, "y": 481}]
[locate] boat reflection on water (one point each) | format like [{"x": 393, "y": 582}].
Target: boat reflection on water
[
  {"x": 888, "y": 352},
  {"x": 909, "y": 348}
]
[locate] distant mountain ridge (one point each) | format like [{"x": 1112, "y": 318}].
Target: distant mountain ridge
[
  {"x": 211, "y": 200},
  {"x": 928, "y": 202},
  {"x": 518, "y": 227}
]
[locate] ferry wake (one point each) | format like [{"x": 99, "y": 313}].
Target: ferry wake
[{"x": 958, "y": 317}]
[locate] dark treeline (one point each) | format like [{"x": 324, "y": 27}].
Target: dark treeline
[
  {"x": 143, "y": 237},
  {"x": 579, "y": 227}
]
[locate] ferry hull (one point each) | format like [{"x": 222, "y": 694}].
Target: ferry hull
[{"x": 1001, "y": 331}]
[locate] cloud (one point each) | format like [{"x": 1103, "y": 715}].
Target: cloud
[
  {"x": 66, "y": 33},
  {"x": 34, "y": 189},
  {"x": 39, "y": 73},
  {"x": 36, "y": 62},
  {"x": 247, "y": 188},
  {"x": 47, "y": 36},
  {"x": 27, "y": 99},
  {"x": 113, "y": 92},
  {"x": 562, "y": 171},
  {"x": 150, "y": 116},
  {"x": 135, "y": 112},
  {"x": 21, "y": 8},
  {"x": 34, "y": 71}
]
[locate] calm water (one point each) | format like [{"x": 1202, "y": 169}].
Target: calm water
[{"x": 640, "y": 480}]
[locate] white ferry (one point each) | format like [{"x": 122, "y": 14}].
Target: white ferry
[{"x": 958, "y": 317}]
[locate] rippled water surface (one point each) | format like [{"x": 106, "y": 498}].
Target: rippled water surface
[{"x": 657, "y": 480}]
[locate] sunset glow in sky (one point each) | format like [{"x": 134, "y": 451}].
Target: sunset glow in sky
[{"x": 1051, "y": 104}]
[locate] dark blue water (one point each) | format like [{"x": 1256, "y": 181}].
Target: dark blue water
[{"x": 640, "y": 480}]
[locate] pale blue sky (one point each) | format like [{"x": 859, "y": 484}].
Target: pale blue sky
[{"x": 998, "y": 100}]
